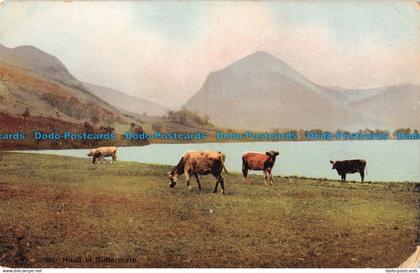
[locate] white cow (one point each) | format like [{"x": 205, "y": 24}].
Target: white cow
[{"x": 101, "y": 152}]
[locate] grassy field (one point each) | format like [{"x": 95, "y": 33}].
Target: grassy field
[{"x": 64, "y": 212}]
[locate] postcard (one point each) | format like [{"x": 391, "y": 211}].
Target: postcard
[{"x": 209, "y": 134}]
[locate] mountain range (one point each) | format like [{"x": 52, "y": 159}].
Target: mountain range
[
  {"x": 30, "y": 58},
  {"x": 257, "y": 92},
  {"x": 37, "y": 83},
  {"x": 126, "y": 102},
  {"x": 262, "y": 92}
]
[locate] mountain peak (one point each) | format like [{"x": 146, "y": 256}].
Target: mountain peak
[
  {"x": 261, "y": 57},
  {"x": 261, "y": 54},
  {"x": 26, "y": 50},
  {"x": 33, "y": 51},
  {"x": 262, "y": 61},
  {"x": 40, "y": 62}
]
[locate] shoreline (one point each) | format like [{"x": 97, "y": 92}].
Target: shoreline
[{"x": 236, "y": 173}]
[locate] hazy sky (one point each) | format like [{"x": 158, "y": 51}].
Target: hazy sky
[{"x": 163, "y": 51}]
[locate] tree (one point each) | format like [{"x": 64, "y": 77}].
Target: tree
[
  {"x": 206, "y": 119},
  {"x": 94, "y": 119},
  {"x": 26, "y": 113},
  {"x": 157, "y": 127}
]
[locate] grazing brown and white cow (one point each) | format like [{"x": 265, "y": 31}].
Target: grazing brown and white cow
[
  {"x": 349, "y": 166},
  {"x": 258, "y": 161},
  {"x": 199, "y": 163},
  {"x": 99, "y": 153}
]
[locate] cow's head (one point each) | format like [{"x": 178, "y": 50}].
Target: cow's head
[
  {"x": 173, "y": 178},
  {"x": 333, "y": 164},
  {"x": 272, "y": 154},
  {"x": 91, "y": 153}
]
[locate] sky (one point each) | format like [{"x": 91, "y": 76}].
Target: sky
[{"x": 163, "y": 51}]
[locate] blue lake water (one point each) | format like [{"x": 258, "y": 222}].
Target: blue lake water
[{"x": 390, "y": 160}]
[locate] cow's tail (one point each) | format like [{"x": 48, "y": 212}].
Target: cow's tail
[{"x": 223, "y": 162}]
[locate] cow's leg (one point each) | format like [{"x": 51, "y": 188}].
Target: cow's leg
[
  {"x": 98, "y": 159},
  {"x": 362, "y": 174},
  {"x": 198, "y": 182},
  {"x": 217, "y": 183},
  {"x": 215, "y": 187},
  {"x": 222, "y": 183},
  {"x": 245, "y": 173},
  {"x": 244, "y": 170},
  {"x": 187, "y": 176},
  {"x": 114, "y": 158},
  {"x": 94, "y": 159},
  {"x": 344, "y": 177},
  {"x": 265, "y": 177},
  {"x": 270, "y": 176}
]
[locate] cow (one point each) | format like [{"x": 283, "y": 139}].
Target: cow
[
  {"x": 349, "y": 166},
  {"x": 258, "y": 161},
  {"x": 199, "y": 163},
  {"x": 99, "y": 153}
]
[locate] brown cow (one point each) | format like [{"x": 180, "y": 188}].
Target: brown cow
[
  {"x": 349, "y": 166},
  {"x": 199, "y": 163},
  {"x": 259, "y": 162},
  {"x": 101, "y": 152}
]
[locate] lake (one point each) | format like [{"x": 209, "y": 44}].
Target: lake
[{"x": 388, "y": 160}]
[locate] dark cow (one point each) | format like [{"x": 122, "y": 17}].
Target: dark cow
[
  {"x": 349, "y": 166},
  {"x": 259, "y": 162},
  {"x": 199, "y": 163}
]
